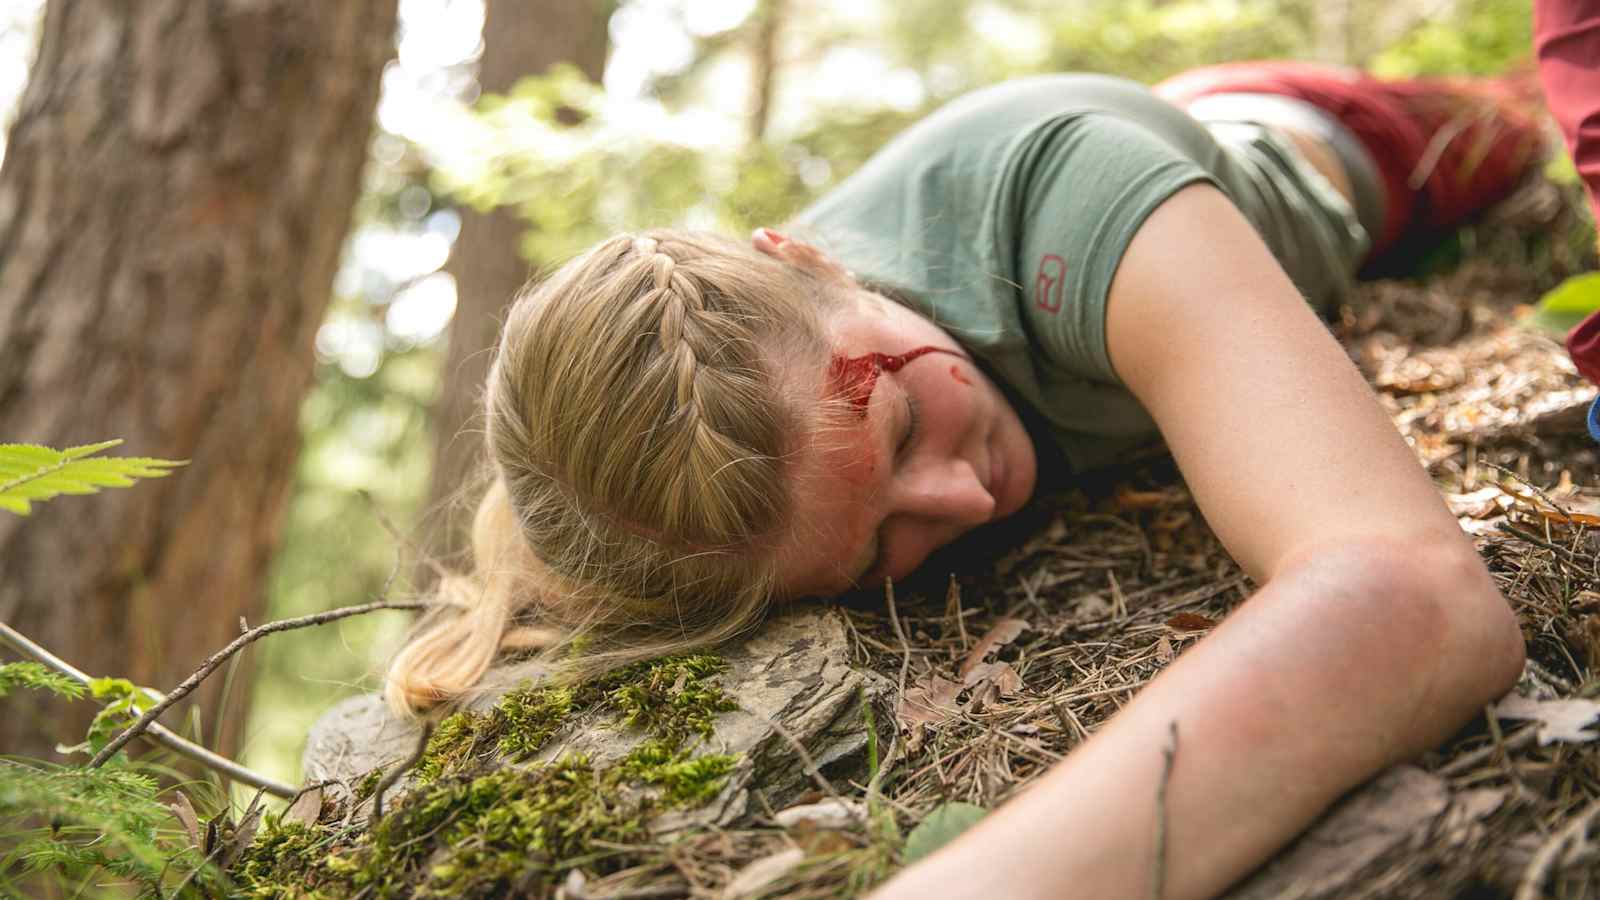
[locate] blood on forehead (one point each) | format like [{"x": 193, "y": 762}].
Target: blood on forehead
[{"x": 852, "y": 378}]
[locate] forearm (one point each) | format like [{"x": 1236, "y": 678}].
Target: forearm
[{"x": 1312, "y": 686}]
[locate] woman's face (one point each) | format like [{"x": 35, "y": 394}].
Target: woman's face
[{"x": 918, "y": 448}]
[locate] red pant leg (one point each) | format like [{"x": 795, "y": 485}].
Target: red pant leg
[
  {"x": 1444, "y": 149},
  {"x": 1566, "y": 37}
]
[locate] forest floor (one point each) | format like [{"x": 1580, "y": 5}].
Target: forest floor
[{"x": 1106, "y": 582}]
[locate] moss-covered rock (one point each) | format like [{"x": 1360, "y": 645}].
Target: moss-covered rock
[{"x": 513, "y": 793}]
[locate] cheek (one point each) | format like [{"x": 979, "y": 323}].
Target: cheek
[{"x": 853, "y": 459}]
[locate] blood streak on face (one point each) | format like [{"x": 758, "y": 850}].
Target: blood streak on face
[
  {"x": 854, "y": 377},
  {"x": 956, "y": 374}
]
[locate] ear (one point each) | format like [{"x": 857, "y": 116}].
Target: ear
[{"x": 796, "y": 252}]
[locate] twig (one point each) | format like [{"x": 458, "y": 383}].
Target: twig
[
  {"x": 905, "y": 645},
  {"x": 218, "y": 658},
  {"x": 1533, "y": 487},
  {"x": 1537, "y": 541},
  {"x": 953, "y": 597},
  {"x": 158, "y": 734},
  {"x": 1515, "y": 741},
  {"x": 1539, "y": 867},
  {"x": 1158, "y": 880},
  {"x": 389, "y": 778}
]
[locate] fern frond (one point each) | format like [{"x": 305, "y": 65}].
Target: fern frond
[
  {"x": 39, "y": 677},
  {"x": 29, "y": 472}
]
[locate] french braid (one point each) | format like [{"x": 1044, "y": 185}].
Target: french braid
[{"x": 640, "y": 437}]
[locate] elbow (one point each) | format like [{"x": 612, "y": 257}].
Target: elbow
[
  {"x": 1468, "y": 648},
  {"x": 1421, "y": 634}
]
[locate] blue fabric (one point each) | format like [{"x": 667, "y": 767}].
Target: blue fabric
[{"x": 1594, "y": 419}]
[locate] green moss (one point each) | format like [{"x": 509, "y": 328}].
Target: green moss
[
  {"x": 368, "y": 784},
  {"x": 451, "y": 747},
  {"x": 685, "y": 779},
  {"x": 525, "y": 719},
  {"x": 670, "y": 699},
  {"x": 288, "y": 860},
  {"x": 473, "y": 826}
]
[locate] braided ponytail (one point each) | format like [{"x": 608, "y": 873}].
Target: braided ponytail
[{"x": 640, "y": 438}]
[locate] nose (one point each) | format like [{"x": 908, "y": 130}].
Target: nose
[{"x": 949, "y": 492}]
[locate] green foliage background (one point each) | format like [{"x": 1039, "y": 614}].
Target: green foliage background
[{"x": 366, "y": 428}]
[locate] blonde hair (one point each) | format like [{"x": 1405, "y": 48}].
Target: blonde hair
[{"x": 641, "y": 441}]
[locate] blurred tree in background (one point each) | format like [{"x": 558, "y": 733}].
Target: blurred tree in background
[
  {"x": 717, "y": 114},
  {"x": 174, "y": 194},
  {"x": 487, "y": 261}
]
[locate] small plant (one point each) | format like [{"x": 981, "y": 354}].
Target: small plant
[{"x": 29, "y": 472}]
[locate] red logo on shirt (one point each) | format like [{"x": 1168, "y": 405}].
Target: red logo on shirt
[{"x": 1050, "y": 283}]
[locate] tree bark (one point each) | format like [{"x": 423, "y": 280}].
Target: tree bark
[
  {"x": 487, "y": 262},
  {"x": 173, "y": 202}
]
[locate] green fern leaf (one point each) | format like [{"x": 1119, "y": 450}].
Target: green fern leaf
[{"x": 29, "y": 472}]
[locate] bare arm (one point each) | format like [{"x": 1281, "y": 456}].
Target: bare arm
[{"x": 1377, "y": 631}]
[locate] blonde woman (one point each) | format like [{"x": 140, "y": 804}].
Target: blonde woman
[{"x": 684, "y": 428}]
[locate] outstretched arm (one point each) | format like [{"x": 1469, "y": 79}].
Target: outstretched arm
[{"x": 1376, "y": 633}]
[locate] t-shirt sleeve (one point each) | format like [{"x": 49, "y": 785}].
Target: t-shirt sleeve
[{"x": 1086, "y": 183}]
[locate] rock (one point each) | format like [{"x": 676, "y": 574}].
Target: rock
[{"x": 790, "y": 678}]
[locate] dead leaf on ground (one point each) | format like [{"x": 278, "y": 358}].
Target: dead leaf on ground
[
  {"x": 1004, "y": 632},
  {"x": 1186, "y": 621},
  {"x": 759, "y": 874},
  {"x": 825, "y": 814},
  {"x": 1480, "y": 504},
  {"x": 928, "y": 703},
  {"x": 1000, "y": 674},
  {"x": 1559, "y": 720},
  {"x": 306, "y": 809},
  {"x": 1164, "y": 651}
]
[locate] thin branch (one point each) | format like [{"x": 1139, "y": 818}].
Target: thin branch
[
  {"x": 905, "y": 645},
  {"x": 157, "y": 733},
  {"x": 1539, "y": 869},
  {"x": 221, "y": 656},
  {"x": 389, "y": 778}
]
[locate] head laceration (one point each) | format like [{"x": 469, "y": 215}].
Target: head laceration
[{"x": 852, "y": 378}]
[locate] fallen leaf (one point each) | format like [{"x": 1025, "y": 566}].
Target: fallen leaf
[
  {"x": 1164, "y": 651},
  {"x": 575, "y": 887},
  {"x": 929, "y": 703},
  {"x": 1002, "y": 633},
  {"x": 826, "y": 814},
  {"x": 941, "y": 826},
  {"x": 306, "y": 809},
  {"x": 763, "y": 872},
  {"x": 1000, "y": 674},
  {"x": 1479, "y": 504},
  {"x": 1559, "y": 720},
  {"x": 184, "y": 811},
  {"x": 1185, "y": 621}
]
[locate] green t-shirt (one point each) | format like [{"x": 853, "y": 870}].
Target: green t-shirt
[{"x": 1003, "y": 217}]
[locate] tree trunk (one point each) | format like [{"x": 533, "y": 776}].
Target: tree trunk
[
  {"x": 764, "y": 65},
  {"x": 487, "y": 262},
  {"x": 173, "y": 202}
]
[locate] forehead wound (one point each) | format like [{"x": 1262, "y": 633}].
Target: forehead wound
[{"x": 852, "y": 378}]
